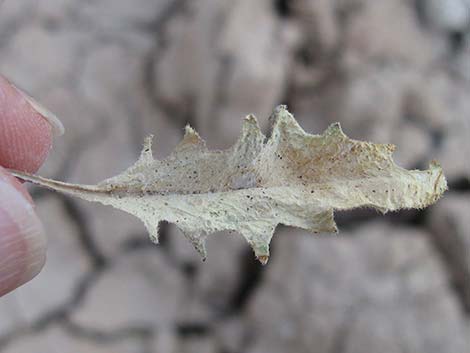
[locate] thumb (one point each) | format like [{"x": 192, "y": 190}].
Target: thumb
[{"x": 22, "y": 240}]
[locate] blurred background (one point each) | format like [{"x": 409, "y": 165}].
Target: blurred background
[{"x": 395, "y": 71}]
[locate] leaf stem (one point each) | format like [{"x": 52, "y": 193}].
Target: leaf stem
[{"x": 54, "y": 184}]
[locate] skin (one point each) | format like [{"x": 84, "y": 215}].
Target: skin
[{"x": 25, "y": 140}]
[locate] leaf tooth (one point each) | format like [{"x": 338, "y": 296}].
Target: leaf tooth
[
  {"x": 153, "y": 230},
  {"x": 283, "y": 123},
  {"x": 434, "y": 164},
  {"x": 201, "y": 249},
  {"x": 198, "y": 240},
  {"x": 251, "y": 138},
  {"x": 191, "y": 135},
  {"x": 191, "y": 139},
  {"x": 263, "y": 259},
  {"x": 333, "y": 228},
  {"x": 250, "y": 127},
  {"x": 146, "y": 153},
  {"x": 259, "y": 237},
  {"x": 334, "y": 130},
  {"x": 261, "y": 249},
  {"x": 148, "y": 142},
  {"x": 261, "y": 254},
  {"x": 323, "y": 222}
]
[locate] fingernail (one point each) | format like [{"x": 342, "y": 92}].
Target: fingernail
[
  {"x": 22, "y": 240},
  {"x": 57, "y": 126}
]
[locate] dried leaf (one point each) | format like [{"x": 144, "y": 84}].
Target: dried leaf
[{"x": 290, "y": 178}]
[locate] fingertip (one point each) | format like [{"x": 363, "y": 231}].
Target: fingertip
[
  {"x": 22, "y": 240},
  {"x": 25, "y": 134}
]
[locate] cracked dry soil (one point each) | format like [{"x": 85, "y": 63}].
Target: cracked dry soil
[{"x": 114, "y": 71}]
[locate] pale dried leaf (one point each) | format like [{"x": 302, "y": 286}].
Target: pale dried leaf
[{"x": 290, "y": 178}]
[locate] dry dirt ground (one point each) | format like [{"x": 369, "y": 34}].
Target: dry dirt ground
[{"x": 393, "y": 71}]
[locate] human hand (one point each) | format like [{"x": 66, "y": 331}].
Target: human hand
[{"x": 26, "y": 131}]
